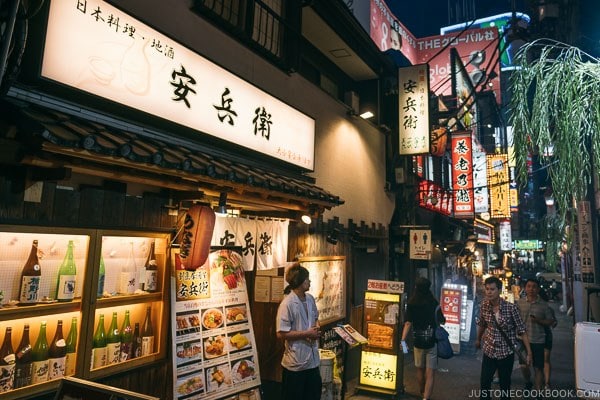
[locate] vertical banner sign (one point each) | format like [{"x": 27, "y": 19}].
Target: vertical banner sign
[
  {"x": 214, "y": 351},
  {"x": 413, "y": 83},
  {"x": 420, "y": 244},
  {"x": 586, "y": 241},
  {"x": 499, "y": 184},
  {"x": 462, "y": 174},
  {"x": 505, "y": 236},
  {"x": 481, "y": 195},
  {"x": 379, "y": 358}
]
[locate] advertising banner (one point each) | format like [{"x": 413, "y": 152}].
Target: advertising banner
[
  {"x": 477, "y": 48},
  {"x": 214, "y": 351}
]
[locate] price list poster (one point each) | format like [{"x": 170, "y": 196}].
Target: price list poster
[{"x": 214, "y": 351}]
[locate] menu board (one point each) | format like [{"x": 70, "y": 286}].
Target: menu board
[
  {"x": 327, "y": 285},
  {"x": 214, "y": 351}
]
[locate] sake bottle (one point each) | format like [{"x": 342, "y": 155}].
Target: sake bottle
[
  {"x": 136, "y": 349},
  {"x": 126, "y": 339},
  {"x": 101, "y": 278},
  {"x": 147, "y": 334},
  {"x": 71, "y": 356},
  {"x": 127, "y": 280},
  {"x": 151, "y": 271},
  {"x": 113, "y": 342},
  {"x": 57, "y": 354},
  {"x": 39, "y": 356},
  {"x": 23, "y": 360},
  {"x": 7, "y": 362},
  {"x": 99, "y": 345},
  {"x": 65, "y": 289},
  {"x": 30, "y": 277}
]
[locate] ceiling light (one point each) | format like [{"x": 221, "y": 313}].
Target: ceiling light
[
  {"x": 222, "y": 208},
  {"x": 306, "y": 219},
  {"x": 367, "y": 115}
]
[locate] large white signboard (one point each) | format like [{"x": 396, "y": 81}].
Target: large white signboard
[{"x": 97, "y": 48}]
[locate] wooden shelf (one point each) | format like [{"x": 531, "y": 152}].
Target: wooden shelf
[
  {"x": 126, "y": 300},
  {"x": 38, "y": 310}
]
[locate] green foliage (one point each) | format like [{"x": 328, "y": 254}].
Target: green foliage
[{"x": 556, "y": 105}]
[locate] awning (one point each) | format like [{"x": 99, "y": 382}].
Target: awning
[{"x": 40, "y": 136}]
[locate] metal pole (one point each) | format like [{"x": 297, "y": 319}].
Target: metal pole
[{"x": 10, "y": 27}]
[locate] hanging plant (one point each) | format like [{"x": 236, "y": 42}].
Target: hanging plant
[{"x": 555, "y": 114}]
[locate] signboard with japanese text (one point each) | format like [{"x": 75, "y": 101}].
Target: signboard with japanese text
[
  {"x": 379, "y": 357},
  {"x": 498, "y": 182},
  {"x": 586, "y": 241},
  {"x": 478, "y": 50},
  {"x": 378, "y": 370},
  {"x": 504, "y": 228},
  {"x": 481, "y": 197},
  {"x": 327, "y": 285},
  {"x": 263, "y": 242},
  {"x": 413, "y": 84},
  {"x": 462, "y": 174},
  {"x": 214, "y": 351},
  {"x": 420, "y": 244},
  {"x": 375, "y": 285},
  {"x": 115, "y": 56}
]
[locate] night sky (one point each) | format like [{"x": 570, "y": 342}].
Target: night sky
[{"x": 425, "y": 17}]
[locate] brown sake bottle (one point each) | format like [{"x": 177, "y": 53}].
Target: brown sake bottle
[
  {"x": 7, "y": 362},
  {"x": 30, "y": 277}
]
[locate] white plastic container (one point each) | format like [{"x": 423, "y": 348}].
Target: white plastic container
[
  {"x": 327, "y": 359},
  {"x": 587, "y": 354}
]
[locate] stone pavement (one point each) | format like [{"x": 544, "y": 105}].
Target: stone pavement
[{"x": 458, "y": 378}]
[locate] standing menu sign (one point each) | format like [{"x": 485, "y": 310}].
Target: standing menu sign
[
  {"x": 453, "y": 301},
  {"x": 214, "y": 351},
  {"x": 379, "y": 358}
]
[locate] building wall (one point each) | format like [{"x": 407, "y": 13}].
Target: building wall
[{"x": 350, "y": 153}]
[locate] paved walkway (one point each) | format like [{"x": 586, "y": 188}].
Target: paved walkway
[{"x": 458, "y": 378}]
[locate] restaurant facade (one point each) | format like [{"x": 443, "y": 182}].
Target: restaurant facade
[{"x": 120, "y": 119}]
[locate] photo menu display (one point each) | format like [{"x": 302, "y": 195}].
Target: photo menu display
[{"x": 214, "y": 351}]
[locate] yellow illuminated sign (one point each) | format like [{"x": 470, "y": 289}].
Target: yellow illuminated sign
[
  {"x": 378, "y": 370},
  {"x": 392, "y": 298},
  {"x": 498, "y": 182}
]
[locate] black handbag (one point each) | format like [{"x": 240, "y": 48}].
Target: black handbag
[{"x": 518, "y": 348}]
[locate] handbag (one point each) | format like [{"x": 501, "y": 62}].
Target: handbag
[
  {"x": 518, "y": 348},
  {"x": 444, "y": 348}
]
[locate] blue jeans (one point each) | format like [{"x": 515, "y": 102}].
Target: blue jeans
[
  {"x": 301, "y": 385},
  {"x": 488, "y": 368}
]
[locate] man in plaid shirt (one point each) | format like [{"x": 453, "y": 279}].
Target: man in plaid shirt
[{"x": 497, "y": 353}]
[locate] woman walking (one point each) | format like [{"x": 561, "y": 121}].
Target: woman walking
[{"x": 421, "y": 317}]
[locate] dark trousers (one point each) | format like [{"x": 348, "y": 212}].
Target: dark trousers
[
  {"x": 488, "y": 368},
  {"x": 301, "y": 385}
]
